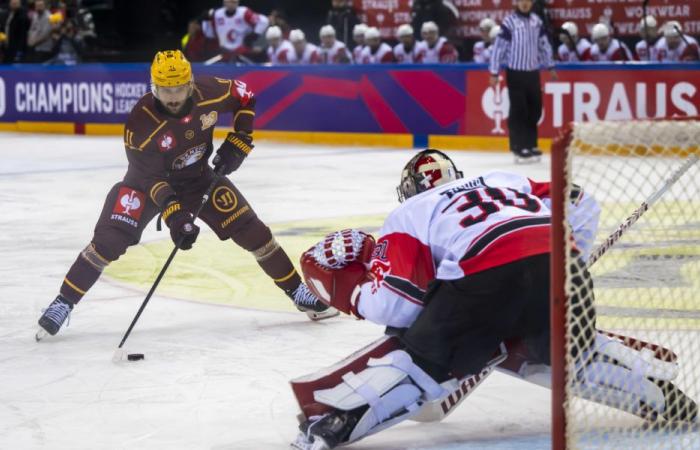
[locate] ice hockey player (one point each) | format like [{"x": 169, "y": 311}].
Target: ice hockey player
[
  {"x": 279, "y": 51},
  {"x": 481, "y": 48},
  {"x": 375, "y": 51},
  {"x": 406, "y": 51},
  {"x": 460, "y": 274},
  {"x": 675, "y": 46},
  {"x": 435, "y": 48},
  {"x": 573, "y": 48},
  {"x": 306, "y": 53},
  {"x": 358, "y": 36},
  {"x": 168, "y": 142},
  {"x": 236, "y": 28},
  {"x": 645, "y": 49},
  {"x": 606, "y": 48},
  {"x": 333, "y": 51}
]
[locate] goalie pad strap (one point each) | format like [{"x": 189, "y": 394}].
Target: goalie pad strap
[
  {"x": 402, "y": 361},
  {"x": 369, "y": 394}
]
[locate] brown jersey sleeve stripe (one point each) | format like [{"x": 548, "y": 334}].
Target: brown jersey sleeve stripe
[
  {"x": 152, "y": 116},
  {"x": 219, "y": 99},
  {"x": 157, "y": 188},
  {"x": 242, "y": 111},
  {"x": 141, "y": 147}
]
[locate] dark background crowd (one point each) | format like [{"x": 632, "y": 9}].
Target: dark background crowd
[{"x": 73, "y": 31}]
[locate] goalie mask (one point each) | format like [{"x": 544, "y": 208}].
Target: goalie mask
[{"x": 427, "y": 169}]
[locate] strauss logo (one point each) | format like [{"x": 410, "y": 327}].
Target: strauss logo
[
  {"x": 495, "y": 104},
  {"x": 130, "y": 202}
]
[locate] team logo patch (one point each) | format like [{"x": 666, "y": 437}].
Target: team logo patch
[
  {"x": 189, "y": 134},
  {"x": 224, "y": 199},
  {"x": 187, "y": 119},
  {"x": 129, "y": 206},
  {"x": 166, "y": 141},
  {"x": 190, "y": 156},
  {"x": 379, "y": 270},
  {"x": 209, "y": 120},
  {"x": 242, "y": 92}
]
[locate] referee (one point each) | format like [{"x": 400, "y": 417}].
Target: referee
[{"x": 523, "y": 47}]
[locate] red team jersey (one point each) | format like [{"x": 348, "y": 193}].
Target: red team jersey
[
  {"x": 457, "y": 229},
  {"x": 441, "y": 52},
  {"x": 407, "y": 56},
  {"x": 282, "y": 54},
  {"x": 336, "y": 54},
  {"x": 310, "y": 55},
  {"x": 231, "y": 30},
  {"x": 683, "y": 52},
  {"x": 583, "y": 48},
  {"x": 616, "y": 51},
  {"x": 384, "y": 54}
]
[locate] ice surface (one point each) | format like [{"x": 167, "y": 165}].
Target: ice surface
[{"x": 214, "y": 377}]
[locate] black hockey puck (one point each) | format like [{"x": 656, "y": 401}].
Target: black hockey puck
[{"x": 135, "y": 356}]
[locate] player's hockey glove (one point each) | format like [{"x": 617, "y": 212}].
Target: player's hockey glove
[
  {"x": 183, "y": 231},
  {"x": 232, "y": 152}
]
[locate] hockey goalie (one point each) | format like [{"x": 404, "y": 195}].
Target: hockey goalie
[{"x": 460, "y": 276}]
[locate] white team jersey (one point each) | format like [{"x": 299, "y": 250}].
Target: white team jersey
[
  {"x": 457, "y": 229},
  {"x": 282, "y": 54},
  {"x": 335, "y": 54},
  {"x": 407, "y": 56},
  {"x": 642, "y": 49},
  {"x": 442, "y": 51},
  {"x": 356, "y": 52},
  {"x": 231, "y": 31},
  {"x": 583, "y": 48},
  {"x": 383, "y": 54},
  {"x": 310, "y": 55},
  {"x": 482, "y": 52},
  {"x": 665, "y": 54},
  {"x": 616, "y": 51}
]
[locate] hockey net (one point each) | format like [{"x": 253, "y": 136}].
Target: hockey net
[{"x": 646, "y": 284}]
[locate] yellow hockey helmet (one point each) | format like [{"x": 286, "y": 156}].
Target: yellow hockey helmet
[{"x": 170, "y": 68}]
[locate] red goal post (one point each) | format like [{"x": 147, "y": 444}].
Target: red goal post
[{"x": 645, "y": 178}]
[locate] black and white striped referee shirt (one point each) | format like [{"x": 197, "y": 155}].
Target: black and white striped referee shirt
[{"x": 522, "y": 44}]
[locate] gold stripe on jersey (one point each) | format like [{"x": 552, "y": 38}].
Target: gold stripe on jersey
[
  {"x": 199, "y": 93},
  {"x": 219, "y": 99},
  {"x": 148, "y": 111},
  {"x": 141, "y": 147},
  {"x": 242, "y": 111},
  {"x": 157, "y": 188}
]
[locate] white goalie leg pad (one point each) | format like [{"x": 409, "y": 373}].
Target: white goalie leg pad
[
  {"x": 640, "y": 362},
  {"x": 392, "y": 387}
]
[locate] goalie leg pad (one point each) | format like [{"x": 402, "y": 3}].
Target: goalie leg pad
[{"x": 641, "y": 361}]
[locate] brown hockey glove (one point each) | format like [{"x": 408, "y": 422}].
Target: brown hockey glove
[
  {"x": 232, "y": 152},
  {"x": 183, "y": 231}
]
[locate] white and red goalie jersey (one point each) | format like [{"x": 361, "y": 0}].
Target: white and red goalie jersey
[
  {"x": 232, "y": 30},
  {"x": 582, "y": 53},
  {"x": 383, "y": 55},
  {"x": 441, "y": 52},
  {"x": 616, "y": 51},
  {"x": 449, "y": 232},
  {"x": 282, "y": 54}
]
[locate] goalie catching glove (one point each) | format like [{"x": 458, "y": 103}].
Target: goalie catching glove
[
  {"x": 335, "y": 267},
  {"x": 232, "y": 152}
]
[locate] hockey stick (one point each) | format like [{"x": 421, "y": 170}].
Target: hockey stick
[
  {"x": 119, "y": 352},
  {"x": 632, "y": 219},
  {"x": 644, "y": 12}
]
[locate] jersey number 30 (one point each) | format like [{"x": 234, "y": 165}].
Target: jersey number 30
[{"x": 490, "y": 200}]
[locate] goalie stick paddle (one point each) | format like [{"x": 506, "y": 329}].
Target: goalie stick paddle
[
  {"x": 119, "y": 352},
  {"x": 632, "y": 219}
]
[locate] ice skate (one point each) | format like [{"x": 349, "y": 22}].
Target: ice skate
[
  {"x": 53, "y": 317},
  {"x": 527, "y": 156},
  {"x": 307, "y": 302}
]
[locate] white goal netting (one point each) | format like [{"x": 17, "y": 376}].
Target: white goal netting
[{"x": 646, "y": 286}]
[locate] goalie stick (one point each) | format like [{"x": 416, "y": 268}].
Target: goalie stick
[{"x": 632, "y": 219}]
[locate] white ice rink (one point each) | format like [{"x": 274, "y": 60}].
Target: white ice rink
[{"x": 214, "y": 377}]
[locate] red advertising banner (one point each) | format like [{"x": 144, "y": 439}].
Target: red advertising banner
[
  {"x": 625, "y": 15},
  {"x": 582, "y": 96}
]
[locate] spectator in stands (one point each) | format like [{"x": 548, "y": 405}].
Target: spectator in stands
[
  {"x": 441, "y": 12},
  {"x": 375, "y": 51},
  {"x": 195, "y": 45},
  {"x": 406, "y": 51},
  {"x": 645, "y": 50},
  {"x": 15, "y": 27},
  {"x": 306, "y": 53},
  {"x": 342, "y": 17},
  {"x": 676, "y": 46},
  {"x": 67, "y": 44},
  {"x": 332, "y": 50},
  {"x": 39, "y": 41},
  {"x": 573, "y": 47},
  {"x": 279, "y": 50},
  {"x": 435, "y": 48},
  {"x": 236, "y": 28},
  {"x": 278, "y": 18},
  {"x": 358, "y": 35},
  {"x": 481, "y": 47},
  {"x": 606, "y": 48}
]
